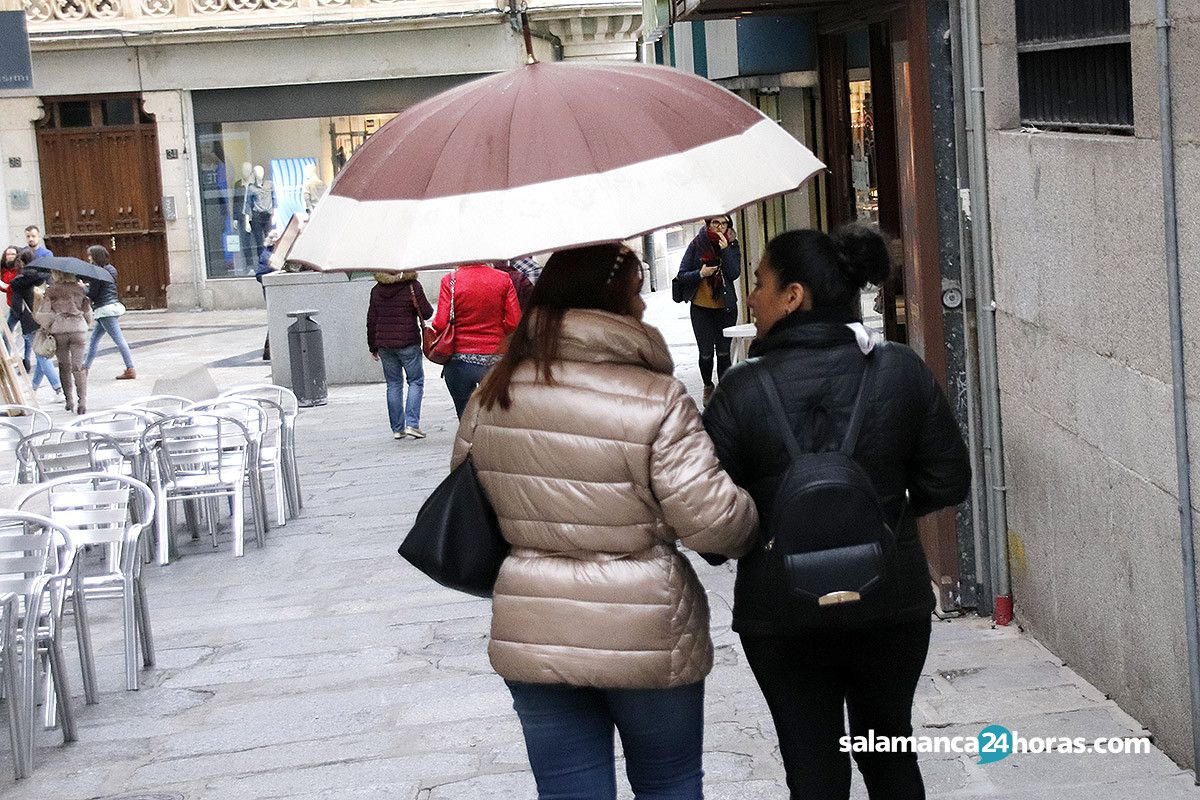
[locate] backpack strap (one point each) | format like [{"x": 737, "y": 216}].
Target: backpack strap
[
  {"x": 865, "y": 385},
  {"x": 775, "y": 403}
]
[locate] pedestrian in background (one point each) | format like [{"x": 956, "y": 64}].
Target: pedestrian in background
[
  {"x": 598, "y": 621},
  {"x": 33, "y": 240},
  {"x": 810, "y": 660},
  {"x": 521, "y": 284},
  {"x": 66, "y": 314},
  {"x": 528, "y": 266},
  {"x": 708, "y": 274},
  {"x": 486, "y": 311},
  {"x": 10, "y": 267},
  {"x": 24, "y": 300},
  {"x": 395, "y": 319},
  {"x": 107, "y": 310}
]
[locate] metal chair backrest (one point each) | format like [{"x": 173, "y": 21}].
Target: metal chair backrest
[
  {"x": 69, "y": 451},
  {"x": 97, "y": 508},
  {"x": 10, "y": 465},
  {"x": 199, "y": 444},
  {"x": 252, "y": 415},
  {"x": 281, "y": 396},
  {"x": 32, "y": 547},
  {"x": 161, "y": 405},
  {"x": 125, "y": 425},
  {"x": 26, "y": 419}
]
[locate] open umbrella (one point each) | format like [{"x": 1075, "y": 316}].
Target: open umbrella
[
  {"x": 546, "y": 156},
  {"x": 72, "y": 266}
]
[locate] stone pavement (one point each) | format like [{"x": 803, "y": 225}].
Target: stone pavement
[{"x": 323, "y": 667}]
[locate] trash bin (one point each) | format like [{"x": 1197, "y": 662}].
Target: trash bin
[{"x": 307, "y": 352}]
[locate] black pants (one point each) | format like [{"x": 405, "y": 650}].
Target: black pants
[
  {"x": 806, "y": 680},
  {"x": 708, "y": 324}
]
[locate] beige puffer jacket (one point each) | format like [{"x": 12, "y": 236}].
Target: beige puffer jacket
[{"x": 594, "y": 477}]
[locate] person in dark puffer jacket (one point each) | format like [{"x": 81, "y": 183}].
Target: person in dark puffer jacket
[
  {"x": 867, "y": 656},
  {"x": 394, "y": 322}
]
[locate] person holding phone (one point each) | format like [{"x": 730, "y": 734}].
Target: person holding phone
[{"x": 708, "y": 274}]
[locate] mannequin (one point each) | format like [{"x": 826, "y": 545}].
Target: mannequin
[
  {"x": 314, "y": 187},
  {"x": 258, "y": 209},
  {"x": 249, "y": 256}
]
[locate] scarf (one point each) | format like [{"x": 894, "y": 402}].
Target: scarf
[{"x": 709, "y": 250}]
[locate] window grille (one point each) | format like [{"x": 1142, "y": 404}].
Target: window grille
[{"x": 1074, "y": 65}]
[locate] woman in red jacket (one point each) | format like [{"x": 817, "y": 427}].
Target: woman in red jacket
[{"x": 485, "y": 311}]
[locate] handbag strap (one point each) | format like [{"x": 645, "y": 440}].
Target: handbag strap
[
  {"x": 412, "y": 290},
  {"x": 452, "y": 275},
  {"x": 775, "y": 402}
]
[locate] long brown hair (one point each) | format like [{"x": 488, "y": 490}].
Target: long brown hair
[{"x": 598, "y": 277}]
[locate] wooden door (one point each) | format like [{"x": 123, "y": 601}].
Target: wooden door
[{"x": 101, "y": 185}]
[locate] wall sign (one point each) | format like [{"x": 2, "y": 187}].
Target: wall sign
[
  {"x": 172, "y": 154},
  {"x": 16, "y": 68}
]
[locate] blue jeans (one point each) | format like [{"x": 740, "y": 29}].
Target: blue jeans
[
  {"x": 111, "y": 326},
  {"x": 42, "y": 368},
  {"x": 399, "y": 365},
  {"x": 569, "y": 739},
  {"x": 461, "y": 379}
]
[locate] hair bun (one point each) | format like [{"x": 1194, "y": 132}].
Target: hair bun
[{"x": 862, "y": 254}]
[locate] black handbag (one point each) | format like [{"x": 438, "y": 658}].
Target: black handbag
[{"x": 456, "y": 539}]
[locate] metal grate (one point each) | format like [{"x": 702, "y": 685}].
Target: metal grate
[{"x": 1074, "y": 64}]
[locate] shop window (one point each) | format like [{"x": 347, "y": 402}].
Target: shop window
[
  {"x": 75, "y": 114},
  {"x": 117, "y": 112},
  {"x": 1074, "y": 65},
  {"x": 255, "y": 175}
]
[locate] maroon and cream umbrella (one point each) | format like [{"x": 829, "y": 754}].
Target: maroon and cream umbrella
[{"x": 547, "y": 156}]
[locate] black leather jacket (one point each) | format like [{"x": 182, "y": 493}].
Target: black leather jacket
[
  {"x": 910, "y": 441},
  {"x": 103, "y": 293}
]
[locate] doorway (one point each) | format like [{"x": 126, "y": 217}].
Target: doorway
[
  {"x": 877, "y": 133},
  {"x": 101, "y": 185}
]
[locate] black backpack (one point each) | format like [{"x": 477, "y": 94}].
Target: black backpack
[{"x": 827, "y": 524}]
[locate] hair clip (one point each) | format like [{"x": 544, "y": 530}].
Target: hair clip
[{"x": 612, "y": 273}]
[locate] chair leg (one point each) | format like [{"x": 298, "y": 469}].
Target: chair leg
[
  {"x": 28, "y": 694},
  {"x": 291, "y": 434},
  {"x": 162, "y": 526},
  {"x": 237, "y": 523},
  {"x": 143, "y": 622},
  {"x": 83, "y": 637},
  {"x": 16, "y": 728},
  {"x": 209, "y": 505},
  {"x": 15, "y": 705},
  {"x": 58, "y": 674},
  {"x": 261, "y": 489},
  {"x": 129, "y": 620},
  {"x": 280, "y": 494}
]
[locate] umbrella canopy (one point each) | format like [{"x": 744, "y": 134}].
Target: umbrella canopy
[
  {"x": 548, "y": 156},
  {"x": 72, "y": 266}
]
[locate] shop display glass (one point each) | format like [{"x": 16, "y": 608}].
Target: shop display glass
[{"x": 255, "y": 175}]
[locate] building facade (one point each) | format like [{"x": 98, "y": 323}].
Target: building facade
[
  {"x": 1084, "y": 339},
  {"x": 180, "y": 133}
]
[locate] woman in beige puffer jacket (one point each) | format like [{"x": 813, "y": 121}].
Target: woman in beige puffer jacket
[{"x": 597, "y": 463}]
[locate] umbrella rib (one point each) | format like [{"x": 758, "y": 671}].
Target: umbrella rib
[{"x": 441, "y": 156}]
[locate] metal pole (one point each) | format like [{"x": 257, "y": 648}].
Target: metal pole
[
  {"x": 989, "y": 379},
  {"x": 979, "y": 500},
  {"x": 1183, "y": 463}
]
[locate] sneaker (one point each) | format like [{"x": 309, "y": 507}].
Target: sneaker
[
  {"x": 397, "y": 434},
  {"x": 415, "y": 433},
  {"x": 708, "y": 392}
]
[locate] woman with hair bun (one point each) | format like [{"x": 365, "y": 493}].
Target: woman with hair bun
[{"x": 814, "y": 661}]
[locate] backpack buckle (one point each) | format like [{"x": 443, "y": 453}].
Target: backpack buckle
[{"x": 837, "y": 598}]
